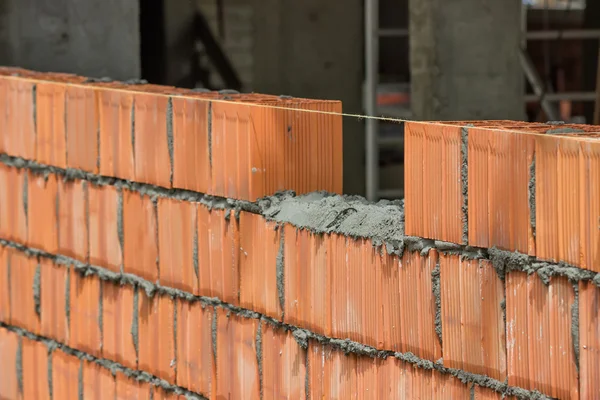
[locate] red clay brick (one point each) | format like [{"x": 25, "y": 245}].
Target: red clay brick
[
  {"x": 140, "y": 236},
  {"x": 105, "y": 246},
  {"x": 117, "y": 322},
  {"x": 283, "y": 365},
  {"x": 9, "y": 345},
  {"x": 163, "y": 394},
  {"x": 237, "y": 364},
  {"x": 82, "y": 123},
  {"x": 98, "y": 382},
  {"x": 132, "y": 389},
  {"x": 42, "y": 211},
  {"x": 569, "y": 202},
  {"x": 4, "y": 286},
  {"x": 22, "y": 296},
  {"x": 13, "y": 208},
  {"x": 413, "y": 141},
  {"x": 116, "y": 134},
  {"x": 157, "y": 336},
  {"x": 151, "y": 150},
  {"x": 590, "y": 196},
  {"x": 35, "y": 370},
  {"x": 65, "y": 375},
  {"x": 51, "y": 135},
  {"x": 546, "y": 195},
  {"x": 191, "y": 153},
  {"x": 177, "y": 224},
  {"x": 306, "y": 280},
  {"x": 472, "y": 320},
  {"x": 73, "y": 235},
  {"x": 195, "y": 357},
  {"x": 84, "y": 321},
  {"x": 539, "y": 342},
  {"x": 218, "y": 255},
  {"x": 259, "y": 246},
  {"x": 54, "y": 301},
  {"x": 19, "y": 137},
  {"x": 589, "y": 340},
  {"x": 388, "y": 276}
]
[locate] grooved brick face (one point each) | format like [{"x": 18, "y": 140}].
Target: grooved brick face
[
  {"x": 283, "y": 365},
  {"x": 51, "y": 123},
  {"x": 130, "y": 388},
  {"x": 82, "y": 128},
  {"x": 151, "y": 143},
  {"x": 22, "y": 295},
  {"x": 9, "y": 344},
  {"x": 589, "y": 340},
  {"x": 540, "y": 350},
  {"x": 191, "y": 152},
  {"x": 98, "y": 382},
  {"x": 177, "y": 224},
  {"x": 13, "y": 208},
  {"x": 117, "y": 324},
  {"x": 259, "y": 245},
  {"x": 73, "y": 222},
  {"x": 237, "y": 364},
  {"x": 140, "y": 236},
  {"x": 54, "y": 301},
  {"x": 195, "y": 357},
  {"x": 218, "y": 254},
  {"x": 472, "y": 320},
  {"x": 35, "y": 370},
  {"x": 116, "y": 134},
  {"x": 43, "y": 211},
  {"x": 84, "y": 322},
  {"x": 105, "y": 245},
  {"x": 157, "y": 335},
  {"x": 65, "y": 374},
  {"x": 20, "y": 123},
  {"x": 4, "y": 285}
]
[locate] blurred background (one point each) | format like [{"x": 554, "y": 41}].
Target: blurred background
[{"x": 534, "y": 60}]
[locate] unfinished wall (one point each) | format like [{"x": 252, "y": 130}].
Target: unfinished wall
[{"x": 139, "y": 256}]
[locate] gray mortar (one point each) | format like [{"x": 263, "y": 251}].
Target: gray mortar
[
  {"x": 503, "y": 307},
  {"x": 120, "y": 231},
  {"x": 134, "y": 331},
  {"x": 49, "y": 372},
  {"x": 132, "y": 132},
  {"x": 170, "y": 136},
  {"x": 259, "y": 357},
  {"x": 213, "y": 333},
  {"x": 37, "y": 285},
  {"x": 281, "y": 272},
  {"x": 301, "y": 336},
  {"x": 80, "y": 381},
  {"x": 195, "y": 254},
  {"x": 575, "y": 323},
  {"x": 86, "y": 199},
  {"x": 464, "y": 178},
  {"x": 68, "y": 296},
  {"x": 228, "y": 91},
  {"x": 472, "y": 392},
  {"x": 436, "y": 289},
  {"x": 555, "y": 122},
  {"x": 307, "y": 377},
  {"x": 352, "y": 216},
  {"x": 209, "y": 126},
  {"x": 34, "y": 108},
  {"x": 531, "y": 195},
  {"x": 19, "y": 365},
  {"x": 564, "y": 131},
  {"x": 26, "y": 197}
]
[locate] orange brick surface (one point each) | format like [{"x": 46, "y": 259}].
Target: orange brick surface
[
  {"x": 22, "y": 296},
  {"x": 51, "y": 135},
  {"x": 105, "y": 243},
  {"x": 9, "y": 345},
  {"x": 35, "y": 370},
  {"x": 98, "y": 382},
  {"x": 42, "y": 211},
  {"x": 13, "y": 209},
  {"x": 140, "y": 236},
  {"x": 65, "y": 372},
  {"x": 117, "y": 323},
  {"x": 54, "y": 301},
  {"x": 85, "y": 313},
  {"x": 73, "y": 222}
]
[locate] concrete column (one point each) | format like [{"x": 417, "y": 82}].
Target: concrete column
[
  {"x": 314, "y": 48},
  {"x": 92, "y": 37},
  {"x": 464, "y": 59}
]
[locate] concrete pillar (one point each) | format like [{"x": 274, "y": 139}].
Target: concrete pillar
[
  {"x": 92, "y": 37},
  {"x": 314, "y": 48},
  {"x": 464, "y": 59}
]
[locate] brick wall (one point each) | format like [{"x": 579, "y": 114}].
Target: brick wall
[{"x": 148, "y": 249}]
